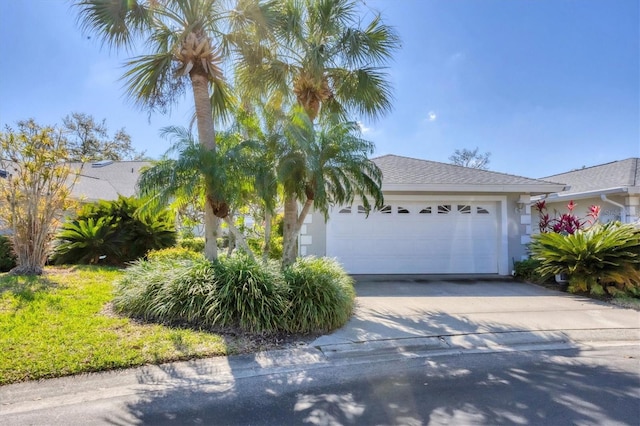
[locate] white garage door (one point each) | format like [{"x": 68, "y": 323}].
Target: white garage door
[{"x": 415, "y": 238}]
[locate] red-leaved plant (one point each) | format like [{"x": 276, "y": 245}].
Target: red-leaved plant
[{"x": 567, "y": 223}]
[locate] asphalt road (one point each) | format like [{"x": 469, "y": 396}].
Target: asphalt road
[{"x": 547, "y": 387}]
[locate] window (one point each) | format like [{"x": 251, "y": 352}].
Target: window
[
  {"x": 402, "y": 210},
  {"x": 361, "y": 209},
  {"x": 444, "y": 209},
  {"x": 345, "y": 210},
  {"x": 386, "y": 209},
  {"x": 4, "y": 174},
  {"x": 481, "y": 210},
  {"x": 464, "y": 209},
  {"x": 426, "y": 210}
]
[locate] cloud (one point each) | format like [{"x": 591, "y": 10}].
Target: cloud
[
  {"x": 432, "y": 116},
  {"x": 363, "y": 128}
]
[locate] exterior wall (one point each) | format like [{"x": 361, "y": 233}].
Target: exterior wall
[
  {"x": 312, "y": 240},
  {"x": 514, "y": 214}
]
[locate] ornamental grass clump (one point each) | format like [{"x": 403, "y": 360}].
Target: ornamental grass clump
[
  {"x": 321, "y": 295},
  {"x": 178, "y": 286},
  {"x": 167, "y": 289},
  {"x": 249, "y": 294},
  {"x": 601, "y": 258}
]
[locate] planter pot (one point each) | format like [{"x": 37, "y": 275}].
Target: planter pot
[{"x": 562, "y": 278}]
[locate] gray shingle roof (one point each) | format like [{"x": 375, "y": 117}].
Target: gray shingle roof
[
  {"x": 108, "y": 181},
  {"x": 404, "y": 170},
  {"x": 623, "y": 173}
]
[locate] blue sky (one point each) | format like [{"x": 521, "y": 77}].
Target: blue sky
[{"x": 546, "y": 86}]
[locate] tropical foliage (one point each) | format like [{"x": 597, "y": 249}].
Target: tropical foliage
[
  {"x": 186, "y": 42},
  {"x": 222, "y": 176},
  {"x": 603, "y": 257},
  {"x": 322, "y": 58},
  {"x": 566, "y": 223},
  {"x": 237, "y": 292},
  {"x": 113, "y": 233},
  {"x": 34, "y": 190}
]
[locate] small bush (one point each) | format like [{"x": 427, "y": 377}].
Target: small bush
[
  {"x": 604, "y": 257},
  {"x": 166, "y": 289},
  {"x": 250, "y": 295},
  {"x": 7, "y": 257},
  {"x": 321, "y": 295},
  {"x": 174, "y": 254},
  {"x": 526, "y": 270},
  {"x": 195, "y": 244}
]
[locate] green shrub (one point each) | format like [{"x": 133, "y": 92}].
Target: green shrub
[
  {"x": 167, "y": 290},
  {"x": 7, "y": 257},
  {"x": 87, "y": 241},
  {"x": 275, "y": 246},
  {"x": 115, "y": 230},
  {"x": 321, "y": 295},
  {"x": 604, "y": 257},
  {"x": 195, "y": 244},
  {"x": 179, "y": 286},
  {"x": 250, "y": 295},
  {"x": 527, "y": 270},
  {"x": 174, "y": 254}
]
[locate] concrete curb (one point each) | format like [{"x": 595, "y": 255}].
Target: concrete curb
[{"x": 477, "y": 342}]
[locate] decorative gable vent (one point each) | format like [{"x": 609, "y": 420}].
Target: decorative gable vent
[{"x": 101, "y": 163}]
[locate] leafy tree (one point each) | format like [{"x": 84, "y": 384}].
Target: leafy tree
[
  {"x": 186, "y": 44},
  {"x": 34, "y": 193},
  {"x": 89, "y": 140},
  {"x": 323, "y": 59},
  {"x": 470, "y": 158}
]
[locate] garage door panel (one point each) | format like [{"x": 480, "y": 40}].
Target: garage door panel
[{"x": 461, "y": 240}]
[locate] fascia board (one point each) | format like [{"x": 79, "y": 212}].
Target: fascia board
[
  {"x": 448, "y": 188},
  {"x": 586, "y": 194}
]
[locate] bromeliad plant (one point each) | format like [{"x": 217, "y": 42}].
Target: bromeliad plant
[{"x": 567, "y": 223}]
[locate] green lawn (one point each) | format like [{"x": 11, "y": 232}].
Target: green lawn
[{"x": 59, "y": 324}]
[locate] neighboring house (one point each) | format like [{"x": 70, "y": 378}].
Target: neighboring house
[
  {"x": 105, "y": 180},
  {"x": 615, "y": 187},
  {"x": 438, "y": 219}
]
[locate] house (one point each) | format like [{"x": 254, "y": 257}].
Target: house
[
  {"x": 615, "y": 187},
  {"x": 438, "y": 219},
  {"x": 105, "y": 180}
]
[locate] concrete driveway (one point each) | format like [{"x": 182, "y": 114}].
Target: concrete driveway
[{"x": 431, "y": 312}]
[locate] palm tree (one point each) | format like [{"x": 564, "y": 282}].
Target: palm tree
[
  {"x": 320, "y": 58},
  {"x": 186, "y": 44},
  {"x": 224, "y": 175},
  {"x": 322, "y": 168}
]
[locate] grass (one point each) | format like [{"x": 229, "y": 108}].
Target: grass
[{"x": 60, "y": 324}]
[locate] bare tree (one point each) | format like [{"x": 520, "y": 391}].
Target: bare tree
[
  {"x": 34, "y": 190},
  {"x": 89, "y": 140},
  {"x": 471, "y": 158}
]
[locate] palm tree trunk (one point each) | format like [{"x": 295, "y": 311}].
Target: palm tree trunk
[
  {"x": 239, "y": 237},
  {"x": 268, "y": 218},
  {"x": 291, "y": 232},
  {"x": 207, "y": 138}
]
